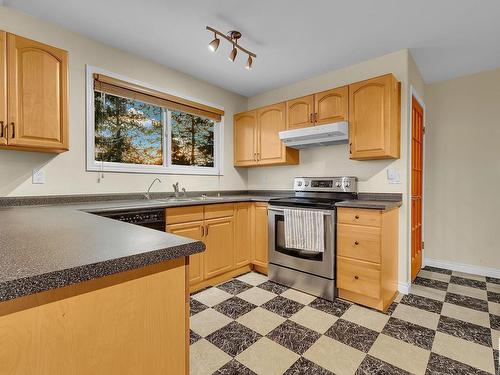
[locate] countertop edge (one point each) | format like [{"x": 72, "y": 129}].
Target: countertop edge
[{"x": 61, "y": 278}]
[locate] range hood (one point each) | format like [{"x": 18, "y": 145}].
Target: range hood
[{"x": 313, "y": 136}]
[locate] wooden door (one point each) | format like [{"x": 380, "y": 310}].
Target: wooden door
[
  {"x": 417, "y": 167},
  {"x": 3, "y": 88},
  {"x": 374, "y": 126},
  {"x": 219, "y": 238},
  {"x": 37, "y": 86},
  {"x": 245, "y": 139},
  {"x": 270, "y": 121},
  {"x": 299, "y": 112},
  {"x": 193, "y": 230},
  {"x": 243, "y": 234},
  {"x": 261, "y": 235},
  {"x": 331, "y": 106}
]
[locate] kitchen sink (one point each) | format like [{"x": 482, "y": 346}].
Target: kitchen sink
[{"x": 189, "y": 199}]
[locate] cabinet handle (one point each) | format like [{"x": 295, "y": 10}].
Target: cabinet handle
[
  {"x": 258, "y": 156},
  {"x": 206, "y": 230},
  {"x": 316, "y": 117},
  {"x": 311, "y": 119},
  {"x": 350, "y": 148},
  {"x": 356, "y": 277},
  {"x": 202, "y": 231},
  {"x": 356, "y": 243},
  {"x": 356, "y": 217},
  {"x": 13, "y": 129},
  {"x": 1, "y": 129}
]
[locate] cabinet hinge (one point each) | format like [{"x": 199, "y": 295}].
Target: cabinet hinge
[
  {"x": 423, "y": 245},
  {"x": 423, "y": 130}
]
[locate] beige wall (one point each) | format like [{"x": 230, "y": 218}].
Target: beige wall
[
  {"x": 462, "y": 179},
  {"x": 334, "y": 160},
  {"x": 65, "y": 173}
]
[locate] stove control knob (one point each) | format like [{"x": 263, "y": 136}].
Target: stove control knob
[
  {"x": 299, "y": 183},
  {"x": 307, "y": 183},
  {"x": 347, "y": 184},
  {"x": 338, "y": 184}
]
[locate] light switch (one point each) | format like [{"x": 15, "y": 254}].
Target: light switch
[
  {"x": 38, "y": 176},
  {"x": 393, "y": 176}
]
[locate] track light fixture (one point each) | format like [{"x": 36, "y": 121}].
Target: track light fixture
[{"x": 232, "y": 37}]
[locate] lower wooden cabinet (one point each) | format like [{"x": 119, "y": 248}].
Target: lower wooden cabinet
[
  {"x": 367, "y": 256},
  {"x": 219, "y": 239},
  {"x": 235, "y": 236},
  {"x": 261, "y": 235},
  {"x": 193, "y": 230}
]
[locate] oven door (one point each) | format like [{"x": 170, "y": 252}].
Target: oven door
[{"x": 321, "y": 264}]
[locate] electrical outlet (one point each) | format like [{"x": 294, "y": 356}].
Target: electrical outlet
[
  {"x": 38, "y": 176},
  {"x": 393, "y": 176}
]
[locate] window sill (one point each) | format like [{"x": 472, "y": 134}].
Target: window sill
[{"x": 151, "y": 169}]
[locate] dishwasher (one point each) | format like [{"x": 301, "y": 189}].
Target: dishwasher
[{"x": 149, "y": 218}]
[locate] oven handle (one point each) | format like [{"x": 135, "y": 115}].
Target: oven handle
[{"x": 280, "y": 209}]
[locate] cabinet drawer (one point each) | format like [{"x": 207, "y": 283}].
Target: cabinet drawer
[
  {"x": 184, "y": 214},
  {"x": 359, "y": 216},
  {"x": 358, "y": 277},
  {"x": 213, "y": 211},
  {"x": 358, "y": 242}
]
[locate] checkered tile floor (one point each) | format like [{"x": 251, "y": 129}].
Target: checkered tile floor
[{"x": 449, "y": 324}]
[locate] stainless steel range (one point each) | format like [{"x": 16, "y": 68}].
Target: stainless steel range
[{"x": 310, "y": 271}]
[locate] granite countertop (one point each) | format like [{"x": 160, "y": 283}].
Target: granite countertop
[{"x": 51, "y": 246}]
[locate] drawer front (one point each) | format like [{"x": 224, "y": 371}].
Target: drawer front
[
  {"x": 358, "y": 242},
  {"x": 186, "y": 214},
  {"x": 358, "y": 216},
  {"x": 213, "y": 211},
  {"x": 358, "y": 277}
]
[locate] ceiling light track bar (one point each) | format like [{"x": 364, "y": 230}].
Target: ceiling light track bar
[{"x": 233, "y": 42}]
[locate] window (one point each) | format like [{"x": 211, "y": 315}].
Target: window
[{"x": 130, "y": 130}]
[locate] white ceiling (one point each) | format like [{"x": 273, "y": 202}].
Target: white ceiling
[{"x": 293, "y": 39}]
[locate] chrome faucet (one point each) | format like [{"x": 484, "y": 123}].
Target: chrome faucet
[
  {"x": 147, "y": 196},
  {"x": 176, "y": 189}
]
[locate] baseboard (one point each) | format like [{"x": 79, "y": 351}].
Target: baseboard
[
  {"x": 462, "y": 267},
  {"x": 404, "y": 288}
]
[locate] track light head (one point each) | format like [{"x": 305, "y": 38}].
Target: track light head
[
  {"x": 214, "y": 44},
  {"x": 232, "y": 55},
  {"x": 249, "y": 63}
]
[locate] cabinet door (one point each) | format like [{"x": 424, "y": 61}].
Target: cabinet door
[
  {"x": 37, "y": 79},
  {"x": 193, "y": 230},
  {"x": 219, "y": 238},
  {"x": 374, "y": 124},
  {"x": 3, "y": 88},
  {"x": 331, "y": 106},
  {"x": 271, "y": 120},
  {"x": 299, "y": 112},
  {"x": 245, "y": 139},
  {"x": 243, "y": 234},
  {"x": 261, "y": 235}
]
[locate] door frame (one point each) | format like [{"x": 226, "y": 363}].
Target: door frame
[{"x": 414, "y": 94}]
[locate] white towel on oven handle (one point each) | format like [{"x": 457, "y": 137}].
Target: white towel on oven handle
[{"x": 304, "y": 230}]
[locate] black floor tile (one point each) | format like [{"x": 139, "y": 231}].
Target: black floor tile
[
  {"x": 493, "y": 280},
  {"x": 495, "y": 322},
  {"x": 409, "y": 332},
  {"x": 195, "y": 307},
  {"x": 273, "y": 287},
  {"x": 494, "y": 297},
  {"x": 423, "y": 303},
  {"x": 468, "y": 282},
  {"x": 375, "y": 366},
  {"x": 283, "y": 306},
  {"x": 233, "y": 367},
  {"x": 438, "y": 270},
  {"x": 305, "y": 367},
  {"x": 464, "y": 301},
  {"x": 234, "y": 307},
  {"x": 293, "y": 336},
  {"x": 430, "y": 283},
  {"x": 465, "y": 330},
  {"x": 440, "y": 365},
  {"x": 233, "y": 338},
  {"x": 234, "y": 286},
  {"x": 338, "y": 307},
  {"x": 193, "y": 337},
  {"x": 352, "y": 334}
]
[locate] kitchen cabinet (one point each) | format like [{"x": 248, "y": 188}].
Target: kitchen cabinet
[
  {"x": 261, "y": 235},
  {"x": 219, "y": 239},
  {"x": 300, "y": 112},
  {"x": 317, "y": 109},
  {"x": 367, "y": 256},
  {"x": 243, "y": 228},
  {"x": 195, "y": 231},
  {"x": 34, "y": 76},
  {"x": 256, "y": 138},
  {"x": 374, "y": 118}
]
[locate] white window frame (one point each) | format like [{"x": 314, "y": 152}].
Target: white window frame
[{"x": 167, "y": 167}]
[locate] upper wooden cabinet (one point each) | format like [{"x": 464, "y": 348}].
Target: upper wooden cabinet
[
  {"x": 34, "y": 90},
  {"x": 300, "y": 112},
  {"x": 318, "y": 109},
  {"x": 331, "y": 106},
  {"x": 374, "y": 118},
  {"x": 256, "y": 138}
]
